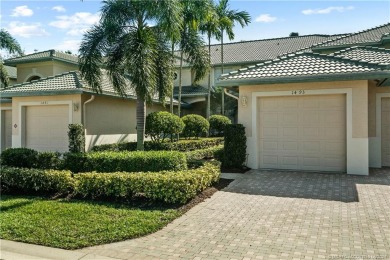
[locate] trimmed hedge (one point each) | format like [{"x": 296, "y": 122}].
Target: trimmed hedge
[
  {"x": 19, "y": 157},
  {"x": 125, "y": 161},
  {"x": 36, "y": 180},
  {"x": 204, "y": 153},
  {"x": 218, "y": 124},
  {"x": 235, "y": 146},
  {"x": 182, "y": 145},
  {"x": 195, "y": 125},
  {"x": 76, "y": 137},
  {"x": 162, "y": 124},
  {"x": 170, "y": 187}
]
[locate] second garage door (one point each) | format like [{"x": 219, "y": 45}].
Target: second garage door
[
  {"x": 46, "y": 128},
  {"x": 386, "y": 132},
  {"x": 303, "y": 133}
]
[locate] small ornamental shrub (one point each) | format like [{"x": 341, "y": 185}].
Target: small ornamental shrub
[
  {"x": 195, "y": 125},
  {"x": 207, "y": 153},
  {"x": 19, "y": 157},
  {"x": 48, "y": 160},
  {"x": 76, "y": 138},
  {"x": 181, "y": 145},
  {"x": 218, "y": 124},
  {"x": 39, "y": 181},
  {"x": 162, "y": 124},
  {"x": 235, "y": 146},
  {"x": 139, "y": 161},
  {"x": 168, "y": 186}
]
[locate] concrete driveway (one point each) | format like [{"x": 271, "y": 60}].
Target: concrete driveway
[{"x": 277, "y": 215}]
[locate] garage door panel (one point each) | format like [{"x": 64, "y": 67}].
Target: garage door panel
[
  {"x": 46, "y": 128},
  {"x": 385, "y": 131},
  {"x": 311, "y": 133}
]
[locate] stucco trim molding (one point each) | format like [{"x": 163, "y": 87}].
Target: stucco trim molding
[
  {"x": 357, "y": 148},
  {"x": 376, "y": 148},
  {"x": 18, "y": 140}
]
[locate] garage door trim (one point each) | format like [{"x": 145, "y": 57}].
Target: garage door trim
[
  {"x": 357, "y": 148},
  {"x": 377, "y": 149},
  {"x": 22, "y": 105}
]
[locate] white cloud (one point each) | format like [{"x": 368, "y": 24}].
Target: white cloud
[
  {"x": 328, "y": 10},
  {"x": 26, "y": 30},
  {"x": 22, "y": 10},
  {"x": 69, "y": 45},
  {"x": 59, "y": 8},
  {"x": 76, "y": 24},
  {"x": 265, "y": 18}
]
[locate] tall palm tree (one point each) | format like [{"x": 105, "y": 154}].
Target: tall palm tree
[
  {"x": 227, "y": 19},
  {"x": 10, "y": 45},
  {"x": 130, "y": 48},
  {"x": 191, "y": 44},
  {"x": 210, "y": 27}
]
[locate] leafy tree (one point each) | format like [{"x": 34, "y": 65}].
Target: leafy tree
[
  {"x": 160, "y": 125},
  {"x": 10, "y": 45},
  {"x": 132, "y": 42},
  {"x": 227, "y": 18},
  {"x": 190, "y": 43}
]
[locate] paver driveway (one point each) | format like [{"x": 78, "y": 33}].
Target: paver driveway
[{"x": 277, "y": 215}]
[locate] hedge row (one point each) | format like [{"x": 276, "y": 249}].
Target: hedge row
[
  {"x": 182, "y": 145},
  {"x": 29, "y": 158},
  {"x": 204, "y": 153},
  {"x": 168, "y": 186},
  {"x": 124, "y": 161}
]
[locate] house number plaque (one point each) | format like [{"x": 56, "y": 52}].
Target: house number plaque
[
  {"x": 44, "y": 102},
  {"x": 298, "y": 92}
]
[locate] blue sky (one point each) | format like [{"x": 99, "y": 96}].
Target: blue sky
[{"x": 42, "y": 25}]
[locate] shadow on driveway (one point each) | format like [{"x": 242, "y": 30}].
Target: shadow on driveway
[{"x": 309, "y": 185}]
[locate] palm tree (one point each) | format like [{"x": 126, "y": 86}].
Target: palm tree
[
  {"x": 132, "y": 50},
  {"x": 191, "y": 44},
  {"x": 210, "y": 27},
  {"x": 10, "y": 45},
  {"x": 227, "y": 19}
]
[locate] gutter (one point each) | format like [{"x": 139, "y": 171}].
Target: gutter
[
  {"x": 228, "y": 94},
  {"x": 85, "y": 112}
]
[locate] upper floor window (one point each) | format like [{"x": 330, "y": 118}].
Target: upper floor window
[{"x": 33, "y": 78}]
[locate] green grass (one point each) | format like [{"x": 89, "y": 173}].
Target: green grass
[{"x": 75, "y": 224}]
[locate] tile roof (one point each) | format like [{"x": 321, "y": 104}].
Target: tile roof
[
  {"x": 304, "y": 65},
  {"x": 195, "y": 90},
  {"x": 262, "y": 50},
  {"x": 366, "y": 53},
  {"x": 373, "y": 35},
  {"x": 69, "y": 82},
  {"x": 43, "y": 55}
]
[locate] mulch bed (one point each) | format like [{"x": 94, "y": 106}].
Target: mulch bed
[
  {"x": 235, "y": 170},
  {"x": 207, "y": 193}
]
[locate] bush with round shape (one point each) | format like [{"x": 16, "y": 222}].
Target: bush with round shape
[
  {"x": 19, "y": 157},
  {"x": 162, "y": 124},
  {"x": 218, "y": 124},
  {"x": 195, "y": 125}
]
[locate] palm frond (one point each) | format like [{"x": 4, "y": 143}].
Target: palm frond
[
  {"x": 9, "y": 43},
  {"x": 4, "y": 79}
]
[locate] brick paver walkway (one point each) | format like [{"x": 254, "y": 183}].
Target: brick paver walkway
[{"x": 277, "y": 215}]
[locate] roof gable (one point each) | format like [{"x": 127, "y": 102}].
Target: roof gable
[
  {"x": 43, "y": 56},
  {"x": 366, "y": 53}
]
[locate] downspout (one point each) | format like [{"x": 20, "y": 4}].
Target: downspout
[
  {"x": 230, "y": 95},
  {"x": 85, "y": 114}
]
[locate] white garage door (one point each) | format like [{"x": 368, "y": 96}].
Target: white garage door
[
  {"x": 46, "y": 128},
  {"x": 6, "y": 129},
  {"x": 303, "y": 133},
  {"x": 386, "y": 132}
]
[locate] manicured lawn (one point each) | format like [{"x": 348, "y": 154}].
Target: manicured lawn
[{"x": 75, "y": 224}]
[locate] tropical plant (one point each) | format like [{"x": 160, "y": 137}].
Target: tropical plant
[
  {"x": 132, "y": 42},
  {"x": 227, "y": 18},
  {"x": 191, "y": 43},
  {"x": 10, "y": 45}
]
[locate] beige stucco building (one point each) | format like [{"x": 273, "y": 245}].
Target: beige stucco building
[{"x": 319, "y": 112}]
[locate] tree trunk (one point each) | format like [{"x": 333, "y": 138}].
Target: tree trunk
[
  {"x": 180, "y": 80},
  {"x": 209, "y": 82},
  {"x": 223, "y": 93},
  {"x": 141, "y": 111},
  {"x": 173, "y": 79}
]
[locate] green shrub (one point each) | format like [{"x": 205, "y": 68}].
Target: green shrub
[
  {"x": 36, "y": 180},
  {"x": 160, "y": 125},
  {"x": 76, "y": 138},
  {"x": 218, "y": 124},
  {"x": 139, "y": 161},
  {"x": 235, "y": 146},
  {"x": 19, "y": 157},
  {"x": 48, "y": 160},
  {"x": 207, "y": 153},
  {"x": 170, "y": 187},
  {"x": 182, "y": 145},
  {"x": 195, "y": 125}
]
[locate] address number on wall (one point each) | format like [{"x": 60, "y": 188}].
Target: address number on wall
[
  {"x": 44, "y": 102},
  {"x": 298, "y": 92}
]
